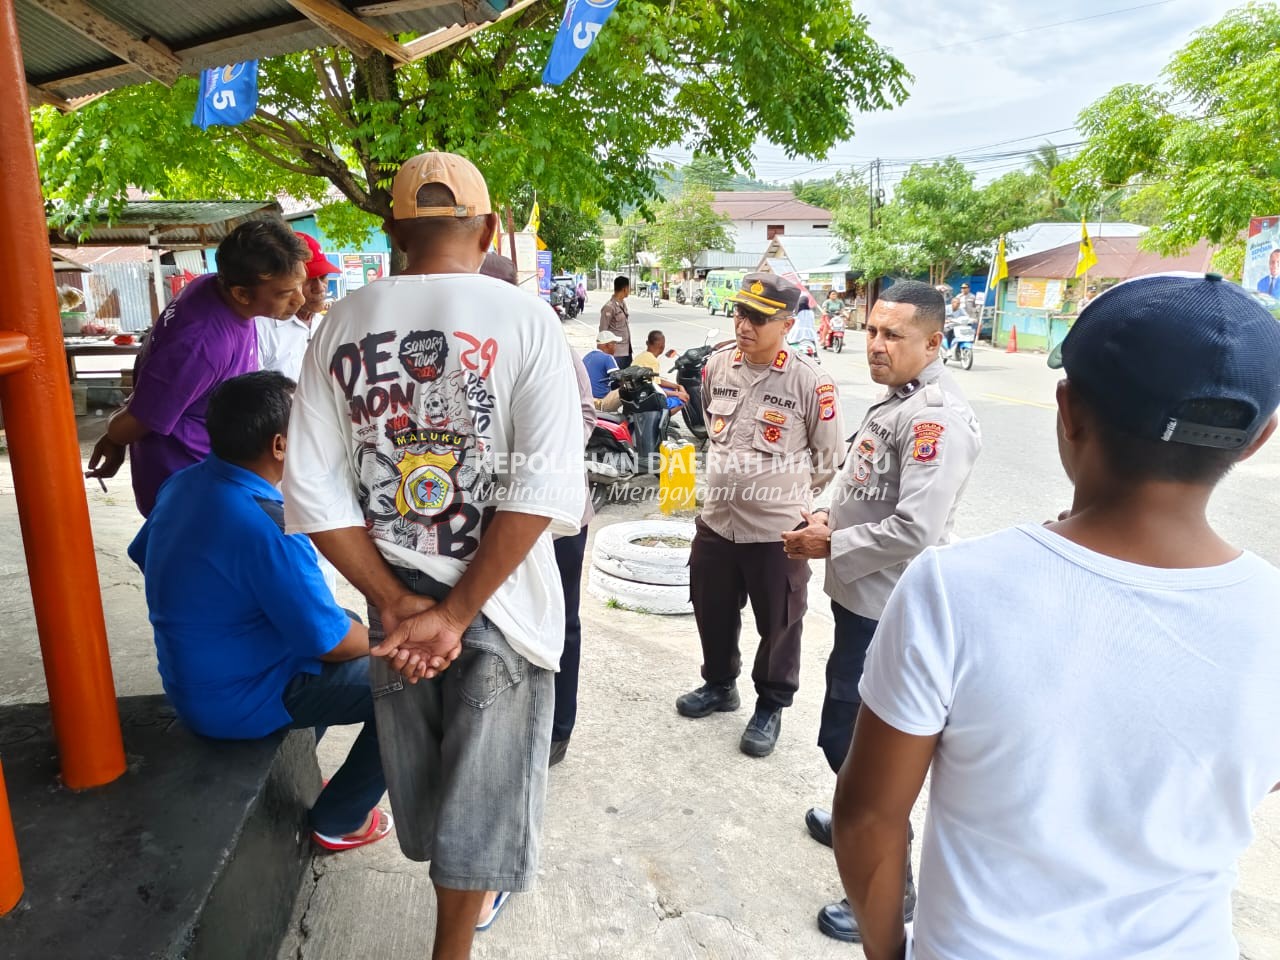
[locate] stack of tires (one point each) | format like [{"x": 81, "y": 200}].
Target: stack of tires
[{"x": 647, "y": 578}]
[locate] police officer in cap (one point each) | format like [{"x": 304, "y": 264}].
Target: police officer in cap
[
  {"x": 896, "y": 495},
  {"x": 775, "y": 439}
]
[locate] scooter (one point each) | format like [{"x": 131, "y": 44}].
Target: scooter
[
  {"x": 644, "y": 407},
  {"x": 835, "y": 332},
  {"x": 680, "y": 296},
  {"x": 655, "y": 298},
  {"x": 690, "y": 367},
  {"x": 957, "y": 344},
  {"x": 698, "y": 297}
]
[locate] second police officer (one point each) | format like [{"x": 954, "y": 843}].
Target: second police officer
[
  {"x": 775, "y": 439},
  {"x": 897, "y": 494}
]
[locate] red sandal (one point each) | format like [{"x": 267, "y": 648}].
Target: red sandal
[{"x": 380, "y": 824}]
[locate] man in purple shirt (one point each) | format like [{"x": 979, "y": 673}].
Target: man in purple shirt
[{"x": 205, "y": 336}]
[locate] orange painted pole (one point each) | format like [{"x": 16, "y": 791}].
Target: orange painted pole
[
  {"x": 48, "y": 475},
  {"x": 10, "y": 871}
]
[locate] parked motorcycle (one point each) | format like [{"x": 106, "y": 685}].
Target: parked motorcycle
[
  {"x": 610, "y": 455},
  {"x": 564, "y": 301},
  {"x": 680, "y": 296},
  {"x": 690, "y": 367},
  {"x": 957, "y": 344}
]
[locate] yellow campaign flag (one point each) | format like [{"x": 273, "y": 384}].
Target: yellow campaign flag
[
  {"x": 1002, "y": 265},
  {"x": 535, "y": 220},
  {"x": 1086, "y": 258}
]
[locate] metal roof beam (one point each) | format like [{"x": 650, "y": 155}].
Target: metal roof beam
[
  {"x": 391, "y": 8},
  {"x": 434, "y": 42},
  {"x": 149, "y": 55},
  {"x": 348, "y": 29},
  {"x": 38, "y": 96}
]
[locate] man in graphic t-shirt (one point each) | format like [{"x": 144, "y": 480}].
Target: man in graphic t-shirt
[
  {"x": 434, "y": 449},
  {"x": 1101, "y": 725},
  {"x": 205, "y": 336}
]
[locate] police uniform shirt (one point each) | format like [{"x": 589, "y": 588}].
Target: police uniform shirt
[
  {"x": 775, "y": 438},
  {"x": 615, "y": 317},
  {"x": 897, "y": 493}
]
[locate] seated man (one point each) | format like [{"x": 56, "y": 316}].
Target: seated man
[
  {"x": 249, "y": 638},
  {"x": 599, "y": 362},
  {"x": 655, "y": 346}
]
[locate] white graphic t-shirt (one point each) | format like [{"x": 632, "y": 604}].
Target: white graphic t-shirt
[{"x": 426, "y": 404}]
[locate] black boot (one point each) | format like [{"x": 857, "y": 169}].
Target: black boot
[
  {"x": 761, "y": 735},
  {"x": 836, "y": 919},
  {"x": 819, "y": 823},
  {"x": 708, "y": 699}
]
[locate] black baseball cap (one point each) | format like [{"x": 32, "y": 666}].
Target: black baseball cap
[
  {"x": 768, "y": 294},
  {"x": 1148, "y": 348}
]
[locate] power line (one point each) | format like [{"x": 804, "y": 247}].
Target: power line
[{"x": 1043, "y": 26}]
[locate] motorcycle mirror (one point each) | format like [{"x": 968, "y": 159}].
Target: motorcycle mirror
[{"x": 713, "y": 335}]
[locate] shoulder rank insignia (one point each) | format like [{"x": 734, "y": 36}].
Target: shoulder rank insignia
[
  {"x": 780, "y": 360},
  {"x": 737, "y": 357}
]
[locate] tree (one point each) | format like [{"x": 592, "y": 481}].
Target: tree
[
  {"x": 1199, "y": 149},
  {"x": 938, "y": 221},
  {"x": 661, "y": 72},
  {"x": 684, "y": 227},
  {"x": 831, "y": 193}
]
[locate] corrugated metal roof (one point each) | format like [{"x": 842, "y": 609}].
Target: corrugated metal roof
[
  {"x": 210, "y": 33},
  {"x": 773, "y": 206},
  {"x": 177, "y": 223},
  {"x": 1040, "y": 237},
  {"x": 1119, "y": 258}
]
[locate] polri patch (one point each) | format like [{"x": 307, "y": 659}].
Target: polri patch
[
  {"x": 827, "y": 408},
  {"x": 928, "y": 441},
  {"x": 825, "y": 388}
]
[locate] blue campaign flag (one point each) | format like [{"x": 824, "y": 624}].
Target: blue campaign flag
[
  {"x": 583, "y": 20},
  {"x": 228, "y": 95}
]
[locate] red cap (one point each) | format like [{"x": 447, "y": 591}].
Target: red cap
[{"x": 318, "y": 265}]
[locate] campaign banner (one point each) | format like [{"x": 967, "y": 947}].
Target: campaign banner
[
  {"x": 582, "y": 23},
  {"x": 1262, "y": 256},
  {"x": 228, "y": 95},
  {"x": 361, "y": 269},
  {"x": 544, "y": 274}
]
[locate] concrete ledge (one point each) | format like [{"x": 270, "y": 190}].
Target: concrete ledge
[{"x": 196, "y": 853}]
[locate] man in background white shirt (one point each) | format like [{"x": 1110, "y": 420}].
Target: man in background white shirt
[
  {"x": 1097, "y": 696},
  {"x": 281, "y": 343}
]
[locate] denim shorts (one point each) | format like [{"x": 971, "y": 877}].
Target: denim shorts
[{"x": 465, "y": 756}]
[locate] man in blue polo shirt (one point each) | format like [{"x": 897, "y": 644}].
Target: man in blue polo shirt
[
  {"x": 248, "y": 636},
  {"x": 599, "y": 362}
]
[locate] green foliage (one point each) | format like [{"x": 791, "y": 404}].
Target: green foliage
[
  {"x": 938, "y": 221},
  {"x": 682, "y": 228},
  {"x": 703, "y": 73},
  {"x": 1197, "y": 154},
  {"x": 832, "y": 193}
]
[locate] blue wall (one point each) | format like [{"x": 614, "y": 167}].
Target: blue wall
[{"x": 376, "y": 242}]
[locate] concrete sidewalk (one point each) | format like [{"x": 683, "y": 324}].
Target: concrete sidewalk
[{"x": 661, "y": 839}]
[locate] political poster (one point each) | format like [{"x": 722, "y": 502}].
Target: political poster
[
  {"x": 1262, "y": 256},
  {"x": 361, "y": 269},
  {"x": 544, "y": 274}
]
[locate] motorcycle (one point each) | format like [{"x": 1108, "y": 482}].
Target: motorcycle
[
  {"x": 680, "y": 296},
  {"x": 808, "y": 348},
  {"x": 698, "y": 297},
  {"x": 957, "y": 343},
  {"x": 835, "y": 329},
  {"x": 655, "y": 298},
  {"x": 610, "y": 455},
  {"x": 690, "y": 368},
  {"x": 564, "y": 302}
]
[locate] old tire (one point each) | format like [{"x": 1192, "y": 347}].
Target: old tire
[
  {"x": 640, "y": 597},
  {"x": 617, "y": 553}
]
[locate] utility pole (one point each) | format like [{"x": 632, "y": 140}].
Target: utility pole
[{"x": 875, "y": 200}]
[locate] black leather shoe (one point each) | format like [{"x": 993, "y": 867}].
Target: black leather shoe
[
  {"x": 819, "y": 823},
  {"x": 558, "y": 749},
  {"x": 708, "y": 699},
  {"x": 761, "y": 735},
  {"x": 836, "y": 919}
]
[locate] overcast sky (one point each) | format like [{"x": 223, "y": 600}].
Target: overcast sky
[{"x": 976, "y": 85}]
